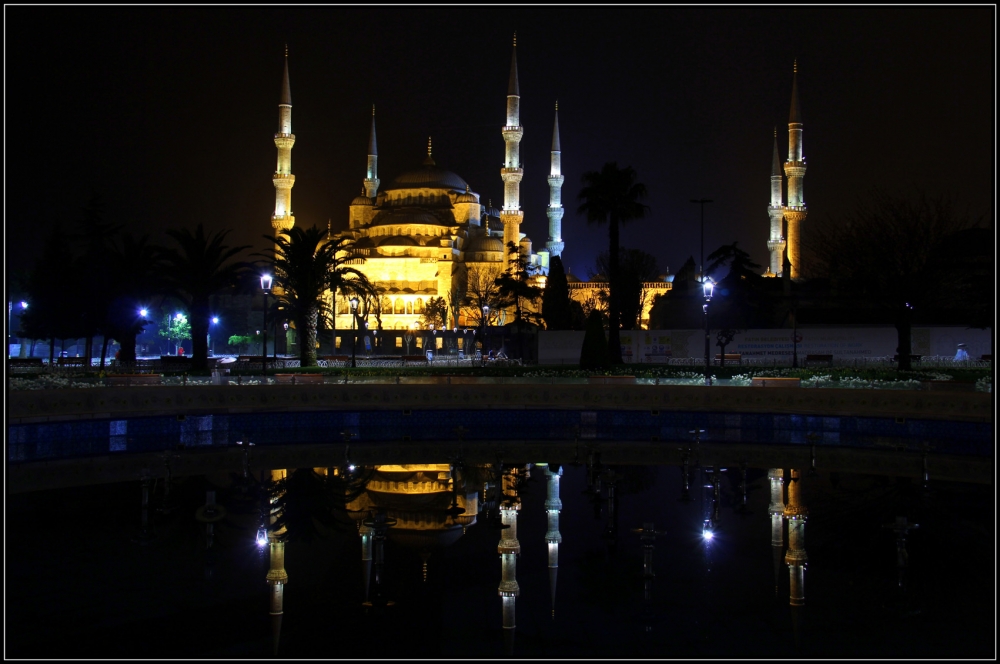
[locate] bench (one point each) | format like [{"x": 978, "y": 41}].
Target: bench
[
  {"x": 730, "y": 357},
  {"x": 127, "y": 380},
  {"x": 73, "y": 362},
  {"x": 827, "y": 359},
  {"x": 20, "y": 363},
  {"x": 420, "y": 359},
  {"x": 299, "y": 379},
  {"x": 764, "y": 381},
  {"x": 913, "y": 358}
]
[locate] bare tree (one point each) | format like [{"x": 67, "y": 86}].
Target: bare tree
[{"x": 481, "y": 290}]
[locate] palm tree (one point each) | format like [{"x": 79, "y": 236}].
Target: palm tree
[
  {"x": 612, "y": 196},
  {"x": 137, "y": 276},
  {"x": 306, "y": 265},
  {"x": 201, "y": 268}
]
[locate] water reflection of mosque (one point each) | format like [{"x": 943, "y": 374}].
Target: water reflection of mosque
[{"x": 425, "y": 507}]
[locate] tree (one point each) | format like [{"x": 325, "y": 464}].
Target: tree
[
  {"x": 742, "y": 300},
  {"x": 885, "y": 250},
  {"x": 556, "y": 308},
  {"x": 612, "y": 196},
  {"x": 93, "y": 238},
  {"x": 514, "y": 286},
  {"x": 240, "y": 342},
  {"x": 680, "y": 307},
  {"x": 482, "y": 291},
  {"x": 174, "y": 327},
  {"x": 636, "y": 268},
  {"x": 306, "y": 265},
  {"x": 594, "y": 354},
  {"x": 435, "y": 313},
  {"x": 198, "y": 267},
  {"x": 136, "y": 281}
]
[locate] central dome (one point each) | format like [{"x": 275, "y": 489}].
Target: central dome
[{"x": 429, "y": 177}]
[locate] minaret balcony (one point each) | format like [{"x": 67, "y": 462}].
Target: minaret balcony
[
  {"x": 513, "y": 134},
  {"x": 514, "y": 174},
  {"x": 556, "y": 180},
  {"x": 283, "y": 180},
  {"x": 284, "y": 141}
]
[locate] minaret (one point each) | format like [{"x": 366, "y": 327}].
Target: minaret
[
  {"x": 512, "y": 172},
  {"x": 554, "y": 212},
  {"x": 796, "y": 557},
  {"x": 776, "y": 241},
  {"x": 795, "y": 171},
  {"x": 371, "y": 179},
  {"x": 509, "y": 548},
  {"x": 553, "y": 505},
  {"x": 282, "y": 219},
  {"x": 777, "y": 511}
]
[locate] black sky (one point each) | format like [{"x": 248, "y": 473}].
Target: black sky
[{"x": 169, "y": 112}]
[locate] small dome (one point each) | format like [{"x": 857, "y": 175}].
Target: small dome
[
  {"x": 467, "y": 197},
  {"x": 484, "y": 243},
  {"x": 361, "y": 200}
]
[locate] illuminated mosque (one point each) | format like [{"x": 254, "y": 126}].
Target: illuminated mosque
[{"x": 427, "y": 234}]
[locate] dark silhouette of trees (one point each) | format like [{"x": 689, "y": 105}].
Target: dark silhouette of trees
[
  {"x": 612, "y": 196},
  {"x": 556, "y": 310},
  {"x": 198, "y": 267},
  {"x": 137, "y": 280},
  {"x": 92, "y": 238},
  {"x": 886, "y": 252},
  {"x": 742, "y": 299},
  {"x": 636, "y": 267},
  {"x": 514, "y": 286},
  {"x": 680, "y": 307},
  {"x": 595, "y": 353},
  {"x": 306, "y": 265}
]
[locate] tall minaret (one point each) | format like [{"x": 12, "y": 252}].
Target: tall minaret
[
  {"x": 282, "y": 219},
  {"x": 553, "y": 505},
  {"x": 776, "y": 241},
  {"x": 796, "y": 557},
  {"x": 371, "y": 179},
  {"x": 795, "y": 171},
  {"x": 512, "y": 172},
  {"x": 554, "y": 212}
]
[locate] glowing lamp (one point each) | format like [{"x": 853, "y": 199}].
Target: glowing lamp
[
  {"x": 262, "y": 537},
  {"x": 215, "y": 319},
  {"x": 354, "y": 304},
  {"x": 709, "y": 287},
  {"x": 143, "y": 312},
  {"x": 265, "y": 282}
]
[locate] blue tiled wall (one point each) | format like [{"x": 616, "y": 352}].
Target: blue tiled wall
[{"x": 28, "y": 442}]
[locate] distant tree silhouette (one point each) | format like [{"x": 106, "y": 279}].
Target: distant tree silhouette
[
  {"x": 56, "y": 303},
  {"x": 556, "y": 309},
  {"x": 595, "y": 354},
  {"x": 885, "y": 251},
  {"x": 680, "y": 307},
  {"x": 612, "y": 196},
  {"x": 137, "y": 281},
  {"x": 636, "y": 267}
]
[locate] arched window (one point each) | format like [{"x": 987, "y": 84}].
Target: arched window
[
  {"x": 418, "y": 307},
  {"x": 409, "y": 307},
  {"x": 397, "y": 306}
]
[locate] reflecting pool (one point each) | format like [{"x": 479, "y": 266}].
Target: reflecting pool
[{"x": 487, "y": 552}]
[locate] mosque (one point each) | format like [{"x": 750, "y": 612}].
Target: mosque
[{"x": 427, "y": 234}]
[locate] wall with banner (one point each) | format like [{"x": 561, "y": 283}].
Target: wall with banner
[{"x": 844, "y": 343}]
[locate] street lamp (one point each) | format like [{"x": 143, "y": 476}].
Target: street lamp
[
  {"x": 215, "y": 321},
  {"x": 708, "y": 288},
  {"x": 354, "y": 336},
  {"x": 701, "y": 265},
  {"x": 265, "y": 285}
]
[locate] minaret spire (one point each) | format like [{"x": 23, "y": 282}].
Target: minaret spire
[
  {"x": 511, "y": 173},
  {"x": 555, "y": 245},
  {"x": 775, "y": 242},
  {"x": 795, "y": 170},
  {"x": 371, "y": 179},
  {"x": 429, "y": 161},
  {"x": 284, "y": 140}
]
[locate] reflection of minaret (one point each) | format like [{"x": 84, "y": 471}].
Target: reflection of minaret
[
  {"x": 611, "y": 528},
  {"x": 901, "y": 527},
  {"x": 648, "y": 536},
  {"x": 366, "y": 555},
  {"x": 379, "y": 522},
  {"x": 553, "y": 537},
  {"x": 777, "y": 510},
  {"x": 509, "y": 548},
  {"x": 276, "y": 575},
  {"x": 796, "y": 558}
]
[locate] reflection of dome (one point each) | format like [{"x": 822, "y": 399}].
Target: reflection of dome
[
  {"x": 484, "y": 243},
  {"x": 429, "y": 177}
]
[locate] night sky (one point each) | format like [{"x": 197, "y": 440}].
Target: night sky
[{"x": 169, "y": 112}]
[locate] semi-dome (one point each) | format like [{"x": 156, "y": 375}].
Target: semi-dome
[
  {"x": 467, "y": 197},
  {"x": 429, "y": 177},
  {"x": 484, "y": 243},
  {"x": 361, "y": 200}
]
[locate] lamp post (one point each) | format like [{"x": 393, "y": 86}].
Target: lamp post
[
  {"x": 265, "y": 285},
  {"x": 708, "y": 287},
  {"x": 354, "y": 336},
  {"x": 285, "y": 345},
  {"x": 486, "y": 313},
  {"x": 215, "y": 321},
  {"x": 701, "y": 264}
]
